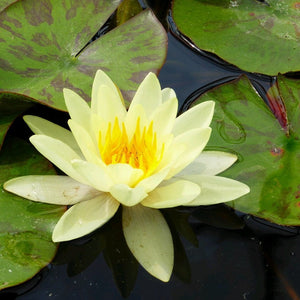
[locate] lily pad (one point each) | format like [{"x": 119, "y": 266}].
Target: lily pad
[
  {"x": 5, "y": 3},
  {"x": 25, "y": 226},
  {"x": 256, "y": 36},
  {"x": 43, "y": 48},
  {"x": 269, "y": 156}
]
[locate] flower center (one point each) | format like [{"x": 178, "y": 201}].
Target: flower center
[{"x": 141, "y": 152}]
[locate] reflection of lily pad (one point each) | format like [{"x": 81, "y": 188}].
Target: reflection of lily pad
[
  {"x": 269, "y": 160},
  {"x": 25, "y": 227},
  {"x": 42, "y": 48},
  {"x": 254, "y": 35}
]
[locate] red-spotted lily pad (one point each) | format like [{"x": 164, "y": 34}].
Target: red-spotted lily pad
[
  {"x": 43, "y": 48},
  {"x": 25, "y": 226},
  {"x": 269, "y": 156},
  {"x": 257, "y": 36}
]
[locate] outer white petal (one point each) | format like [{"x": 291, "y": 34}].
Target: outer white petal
[
  {"x": 78, "y": 109},
  {"x": 124, "y": 173},
  {"x": 172, "y": 194},
  {"x": 84, "y": 217},
  {"x": 41, "y": 126},
  {"x": 108, "y": 104},
  {"x": 194, "y": 140},
  {"x": 216, "y": 189},
  {"x": 167, "y": 94},
  {"x": 149, "y": 238},
  {"x": 58, "y": 153},
  {"x": 209, "y": 163},
  {"x": 87, "y": 145},
  {"x": 102, "y": 79},
  {"x": 148, "y": 94},
  {"x": 198, "y": 116},
  {"x": 164, "y": 117},
  {"x": 52, "y": 189},
  {"x": 95, "y": 175},
  {"x": 126, "y": 195}
]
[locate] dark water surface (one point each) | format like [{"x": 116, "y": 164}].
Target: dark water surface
[{"x": 260, "y": 261}]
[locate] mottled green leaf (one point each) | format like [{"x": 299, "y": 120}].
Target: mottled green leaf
[
  {"x": 5, "y": 3},
  {"x": 269, "y": 157},
  {"x": 257, "y": 36},
  {"x": 42, "y": 46},
  {"x": 25, "y": 226},
  {"x": 11, "y": 106}
]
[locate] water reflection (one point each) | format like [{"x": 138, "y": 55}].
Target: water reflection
[{"x": 235, "y": 257}]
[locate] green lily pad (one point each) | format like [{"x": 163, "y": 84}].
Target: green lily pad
[
  {"x": 5, "y": 3},
  {"x": 11, "y": 106},
  {"x": 269, "y": 157},
  {"x": 43, "y": 48},
  {"x": 255, "y": 36},
  {"x": 25, "y": 226}
]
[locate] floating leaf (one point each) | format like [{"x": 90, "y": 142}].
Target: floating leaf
[
  {"x": 5, "y": 3},
  {"x": 257, "y": 36},
  {"x": 269, "y": 157},
  {"x": 43, "y": 48},
  {"x": 25, "y": 227}
]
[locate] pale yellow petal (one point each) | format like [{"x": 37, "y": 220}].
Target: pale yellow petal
[
  {"x": 84, "y": 217},
  {"x": 126, "y": 195},
  {"x": 172, "y": 194},
  {"x": 167, "y": 94},
  {"x": 151, "y": 182},
  {"x": 102, "y": 78},
  {"x": 108, "y": 105},
  {"x": 95, "y": 175},
  {"x": 88, "y": 147},
  {"x": 194, "y": 141},
  {"x": 124, "y": 173},
  {"x": 209, "y": 163},
  {"x": 136, "y": 113},
  {"x": 52, "y": 189},
  {"x": 216, "y": 189},
  {"x": 58, "y": 153},
  {"x": 41, "y": 126},
  {"x": 164, "y": 117},
  {"x": 149, "y": 239},
  {"x": 97, "y": 124},
  {"x": 78, "y": 109},
  {"x": 198, "y": 116},
  {"x": 148, "y": 94}
]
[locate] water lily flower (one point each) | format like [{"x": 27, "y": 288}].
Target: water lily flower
[{"x": 144, "y": 159}]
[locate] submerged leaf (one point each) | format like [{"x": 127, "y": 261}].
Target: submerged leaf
[{"x": 11, "y": 106}]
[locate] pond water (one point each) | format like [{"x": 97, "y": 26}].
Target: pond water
[{"x": 258, "y": 261}]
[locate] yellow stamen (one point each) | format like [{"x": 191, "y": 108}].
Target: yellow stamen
[{"x": 141, "y": 152}]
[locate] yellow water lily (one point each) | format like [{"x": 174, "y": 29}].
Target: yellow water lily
[{"x": 144, "y": 159}]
